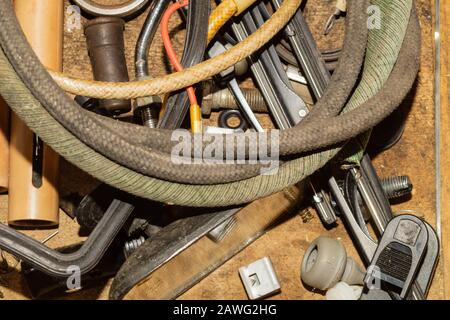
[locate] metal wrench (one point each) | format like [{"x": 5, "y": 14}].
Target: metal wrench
[
  {"x": 286, "y": 107},
  {"x": 216, "y": 49}
]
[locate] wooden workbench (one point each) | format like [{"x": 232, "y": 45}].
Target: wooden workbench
[{"x": 285, "y": 243}]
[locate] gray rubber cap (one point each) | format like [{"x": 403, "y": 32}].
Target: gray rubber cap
[{"x": 324, "y": 263}]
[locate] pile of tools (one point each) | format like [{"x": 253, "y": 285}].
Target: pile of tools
[{"x": 174, "y": 189}]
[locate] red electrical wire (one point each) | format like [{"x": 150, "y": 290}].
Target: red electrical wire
[{"x": 168, "y": 44}]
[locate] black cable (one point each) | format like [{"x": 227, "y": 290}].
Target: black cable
[
  {"x": 146, "y": 36},
  {"x": 177, "y": 105}
]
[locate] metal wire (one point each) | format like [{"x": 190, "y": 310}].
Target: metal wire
[{"x": 437, "y": 110}]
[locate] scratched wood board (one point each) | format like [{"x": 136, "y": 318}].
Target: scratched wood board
[
  {"x": 286, "y": 242},
  {"x": 445, "y": 142}
]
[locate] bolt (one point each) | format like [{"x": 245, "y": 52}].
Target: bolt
[
  {"x": 132, "y": 245},
  {"x": 149, "y": 117},
  {"x": 396, "y": 187},
  {"x": 223, "y": 99},
  {"x": 147, "y": 109}
]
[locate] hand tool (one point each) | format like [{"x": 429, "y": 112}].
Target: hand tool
[
  {"x": 399, "y": 255},
  {"x": 43, "y": 286},
  {"x": 285, "y": 106},
  {"x": 317, "y": 76},
  {"x": 424, "y": 277},
  {"x": 33, "y": 196},
  {"x": 370, "y": 200},
  {"x": 216, "y": 49},
  {"x": 4, "y": 145},
  {"x": 367, "y": 247},
  {"x": 57, "y": 264},
  {"x": 306, "y": 51},
  {"x": 105, "y": 42}
]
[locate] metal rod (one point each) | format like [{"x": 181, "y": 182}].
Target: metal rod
[{"x": 437, "y": 117}]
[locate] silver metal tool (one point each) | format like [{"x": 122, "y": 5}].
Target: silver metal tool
[
  {"x": 285, "y": 106},
  {"x": 306, "y": 51},
  {"x": 367, "y": 247},
  {"x": 317, "y": 77},
  {"x": 370, "y": 200},
  {"x": 216, "y": 49},
  {"x": 323, "y": 206},
  {"x": 364, "y": 242}
]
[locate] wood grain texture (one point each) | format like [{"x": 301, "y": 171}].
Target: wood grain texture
[
  {"x": 445, "y": 144},
  {"x": 4, "y": 145}
]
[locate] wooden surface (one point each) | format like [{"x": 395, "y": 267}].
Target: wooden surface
[
  {"x": 445, "y": 142},
  {"x": 286, "y": 242}
]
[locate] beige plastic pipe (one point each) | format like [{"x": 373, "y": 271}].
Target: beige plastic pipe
[
  {"x": 4, "y": 145},
  {"x": 35, "y": 202}
]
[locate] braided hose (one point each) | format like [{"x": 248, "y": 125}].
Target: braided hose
[
  {"x": 223, "y": 12},
  {"x": 188, "y": 77},
  {"x": 64, "y": 142},
  {"x": 149, "y": 152}
]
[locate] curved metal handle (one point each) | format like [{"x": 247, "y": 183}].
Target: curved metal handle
[{"x": 56, "y": 263}]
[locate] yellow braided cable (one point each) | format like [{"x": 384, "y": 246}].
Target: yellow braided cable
[
  {"x": 223, "y": 12},
  {"x": 187, "y": 77}
]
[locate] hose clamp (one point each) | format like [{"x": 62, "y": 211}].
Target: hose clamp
[{"x": 121, "y": 10}]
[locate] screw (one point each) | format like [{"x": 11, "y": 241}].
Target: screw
[
  {"x": 149, "y": 117},
  {"x": 223, "y": 99},
  {"x": 396, "y": 187},
  {"x": 132, "y": 245}
]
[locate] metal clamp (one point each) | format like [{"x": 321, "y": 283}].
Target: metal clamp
[{"x": 121, "y": 10}]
